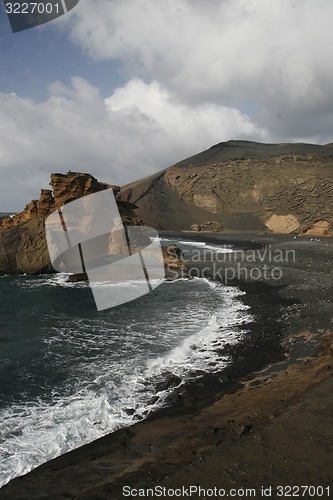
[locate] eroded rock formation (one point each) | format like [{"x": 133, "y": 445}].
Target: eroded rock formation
[{"x": 23, "y": 247}]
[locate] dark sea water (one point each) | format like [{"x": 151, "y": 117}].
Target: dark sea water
[{"x": 70, "y": 374}]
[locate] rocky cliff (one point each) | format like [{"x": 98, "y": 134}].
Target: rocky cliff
[
  {"x": 23, "y": 247},
  {"x": 242, "y": 186}
]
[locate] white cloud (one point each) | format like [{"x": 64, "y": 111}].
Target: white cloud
[
  {"x": 275, "y": 54},
  {"x": 178, "y": 124},
  {"x": 138, "y": 130}
]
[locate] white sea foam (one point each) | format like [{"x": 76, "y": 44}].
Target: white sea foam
[
  {"x": 113, "y": 393},
  {"x": 198, "y": 244},
  {"x": 47, "y": 280},
  {"x": 204, "y": 246}
]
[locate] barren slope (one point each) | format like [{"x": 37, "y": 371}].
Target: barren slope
[{"x": 242, "y": 186}]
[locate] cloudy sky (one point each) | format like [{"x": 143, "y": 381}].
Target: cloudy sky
[{"x": 124, "y": 88}]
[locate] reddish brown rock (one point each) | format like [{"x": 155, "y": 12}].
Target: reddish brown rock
[
  {"x": 23, "y": 247},
  {"x": 319, "y": 228},
  {"x": 45, "y": 204},
  {"x": 74, "y": 185}
]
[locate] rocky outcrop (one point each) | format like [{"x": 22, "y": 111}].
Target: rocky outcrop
[
  {"x": 319, "y": 228},
  {"x": 23, "y": 247},
  {"x": 65, "y": 188},
  {"x": 210, "y": 225},
  {"x": 74, "y": 185},
  {"x": 172, "y": 257},
  {"x": 283, "y": 224},
  {"x": 243, "y": 187}
]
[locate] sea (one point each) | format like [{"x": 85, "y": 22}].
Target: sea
[{"x": 70, "y": 374}]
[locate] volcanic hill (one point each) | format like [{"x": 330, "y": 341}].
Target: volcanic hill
[{"x": 241, "y": 186}]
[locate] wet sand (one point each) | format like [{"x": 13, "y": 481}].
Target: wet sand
[{"x": 267, "y": 421}]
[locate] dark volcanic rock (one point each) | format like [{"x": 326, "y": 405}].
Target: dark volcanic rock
[
  {"x": 74, "y": 278},
  {"x": 171, "y": 380}
]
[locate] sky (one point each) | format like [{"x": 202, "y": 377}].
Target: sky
[{"x": 125, "y": 88}]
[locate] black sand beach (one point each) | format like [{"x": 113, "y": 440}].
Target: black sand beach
[{"x": 266, "y": 422}]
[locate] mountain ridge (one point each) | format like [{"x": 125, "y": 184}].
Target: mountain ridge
[{"x": 236, "y": 149}]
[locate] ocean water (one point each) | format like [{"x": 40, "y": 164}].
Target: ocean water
[{"x": 70, "y": 374}]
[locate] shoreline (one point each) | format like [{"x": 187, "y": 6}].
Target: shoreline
[{"x": 293, "y": 316}]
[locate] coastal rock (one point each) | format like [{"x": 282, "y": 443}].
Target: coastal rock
[
  {"x": 172, "y": 257},
  {"x": 23, "y": 247},
  {"x": 319, "y": 228},
  {"x": 171, "y": 380},
  {"x": 210, "y": 226},
  {"x": 74, "y": 185},
  {"x": 283, "y": 224},
  {"x": 36, "y": 208},
  {"x": 75, "y": 278}
]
